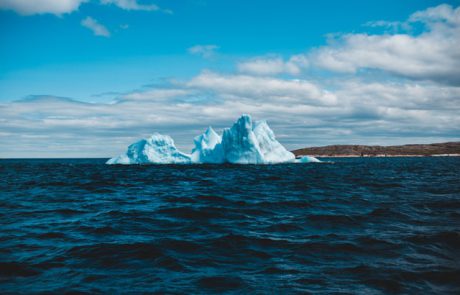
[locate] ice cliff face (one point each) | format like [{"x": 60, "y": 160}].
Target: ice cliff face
[
  {"x": 272, "y": 151},
  {"x": 240, "y": 145},
  {"x": 208, "y": 148},
  {"x": 253, "y": 143},
  {"x": 246, "y": 142}
]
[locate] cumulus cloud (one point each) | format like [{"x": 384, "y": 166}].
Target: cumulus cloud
[
  {"x": 97, "y": 28},
  {"x": 422, "y": 106},
  {"x": 58, "y": 7},
  {"x": 434, "y": 15},
  {"x": 262, "y": 88},
  {"x": 158, "y": 94},
  {"x": 205, "y": 51},
  {"x": 131, "y": 5},
  {"x": 29, "y": 7},
  {"x": 273, "y": 65},
  {"x": 431, "y": 55},
  {"x": 299, "y": 111}
]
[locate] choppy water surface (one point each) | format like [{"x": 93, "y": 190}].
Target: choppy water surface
[{"x": 370, "y": 226}]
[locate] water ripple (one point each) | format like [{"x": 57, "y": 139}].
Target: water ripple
[{"x": 368, "y": 226}]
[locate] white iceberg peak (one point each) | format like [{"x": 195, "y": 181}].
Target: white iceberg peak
[
  {"x": 239, "y": 143},
  {"x": 271, "y": 149},
  {"x": 207, "y": 148},
  {"x": 246, "y": 142},
  {"x": 207, "y": 140}
]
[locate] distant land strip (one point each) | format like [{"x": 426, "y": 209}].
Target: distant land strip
[{"x": 408, "y": 150}]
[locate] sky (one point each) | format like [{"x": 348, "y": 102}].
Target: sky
[{"x": 85, "y": 78}]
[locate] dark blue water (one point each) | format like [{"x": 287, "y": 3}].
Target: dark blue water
[{"x": 361, "y": 226}]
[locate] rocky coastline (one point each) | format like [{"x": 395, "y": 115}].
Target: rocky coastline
[{"x": 408, "y": 150}]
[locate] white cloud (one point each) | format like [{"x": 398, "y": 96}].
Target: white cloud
[
  {"x": 302, "y": 112},
  {"x": 155, "y": 94},
  {"x": 273, "y": 65},
  {"x": 433, "y": 15},
  {"x": 299, "y": 112},
  {"x": 131, "y": 5},
  {"x": 58, "y": 7},
  {"x": 97, "y": 28},
  {"x": 431, "y": 55},
  {"x": 390, "y": 26},
  {"x": 262, "y": 88},
  {"x": 205, "y": 51},
  {"x": 29, "y": 7}
]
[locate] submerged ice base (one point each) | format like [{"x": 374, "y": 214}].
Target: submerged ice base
[{"x": 246, "y": 142}]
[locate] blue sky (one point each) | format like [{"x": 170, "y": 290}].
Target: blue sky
[{"x": 75, "y": 74}]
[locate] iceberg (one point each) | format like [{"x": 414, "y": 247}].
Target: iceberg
[
  {"x": 239, "y": 143},
  {"x": 157, "y": 149},
  {"x": 246, "y": 142},
  {"x": 307, "y": 159},
  {"x": 253, "y": 143},
  {"x": 208, "y": 148},
  {"x": 272, "y": 150}
]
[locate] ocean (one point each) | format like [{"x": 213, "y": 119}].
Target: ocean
[{"x": 349, "y": 226}]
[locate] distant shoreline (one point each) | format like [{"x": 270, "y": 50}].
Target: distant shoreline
[
  {"x": 447, "y": 149},
  {"x": 384, "y": 156}
]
